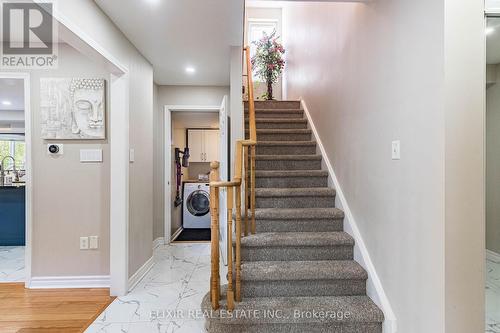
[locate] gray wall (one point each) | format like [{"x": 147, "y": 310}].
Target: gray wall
[
  {"x": 176, "y": 95},
  {"x": 70, "y": 199},
  {"x": 159, "y": 195},
  {"x": 493, "y": 164},
  {"x": 373, "y": 73},
  {"x": 86, "y": 16},
  {"x": 141, "y": 171},
  {"x": 464, "y": 91}
]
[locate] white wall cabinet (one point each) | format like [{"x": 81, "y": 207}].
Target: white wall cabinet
[{"x": 203, "y": 145}]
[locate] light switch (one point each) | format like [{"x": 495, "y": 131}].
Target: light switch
[
  {"x": 94, "y": 242},
  {"x": 132, "y": 156},
  {"x": 90, "y": 155},
  {"x": 396, "y": 150}
]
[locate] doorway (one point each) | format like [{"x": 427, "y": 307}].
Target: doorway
[
  {"x": 204, "y": 130},
  {"x": 15, "y": 178}
]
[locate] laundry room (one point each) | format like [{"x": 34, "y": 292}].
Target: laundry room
[{"x": 195, "y": 143}]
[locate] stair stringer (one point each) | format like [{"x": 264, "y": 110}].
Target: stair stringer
[{"x": 374, "y": 288}]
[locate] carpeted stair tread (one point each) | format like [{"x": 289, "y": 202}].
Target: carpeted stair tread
[
  {"x": 295, "y": 192},
  {"x": 279, "y": 120},
  {"x": 297, "y": 213},
  {"x": 280, "y": 123},
  {"x": 288, "y": 104},
  {"x": 286, "y": 147},
  {"x": 287, "y": 157},
  {"x": 361, "y": 309},
  {"x": 282, "y": 131},
  {"x": 298, "y": 219},
  {"x": 276, "y": 111},
  {"x": 286, "y": 143},
  {"x": 294, "y": 239},
  {"x": 303, "y": 270},
  {"x": 291, "y": 173}
]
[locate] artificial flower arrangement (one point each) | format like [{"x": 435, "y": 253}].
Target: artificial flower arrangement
[{"x": 268, "y": 62}]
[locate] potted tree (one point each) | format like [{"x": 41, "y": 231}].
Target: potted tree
[{"x": 268, "y": 61}]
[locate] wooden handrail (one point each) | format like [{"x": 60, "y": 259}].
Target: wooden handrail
[
  {"x": 244, "y": 175},
  {"x": 253, "y": 136},
  {"x": 225, "y": 184},
  {"x": 251, "y": 103}
]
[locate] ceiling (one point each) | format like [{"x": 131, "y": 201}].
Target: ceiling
[
  {"x": 12, "y": 90},
  {"x": 175, "y": 34}
]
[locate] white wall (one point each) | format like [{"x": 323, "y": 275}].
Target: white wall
[{"x": 87, "y": 17}]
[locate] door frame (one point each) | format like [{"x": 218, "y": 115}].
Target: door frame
[
  {"x": 28, "y": 223},
  {"x": 167, "y": 161}
]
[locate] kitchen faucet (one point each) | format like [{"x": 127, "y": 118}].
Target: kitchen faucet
[{"x": 2, "y": 169}]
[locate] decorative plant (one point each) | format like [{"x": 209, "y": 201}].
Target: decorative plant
[{"x": 268, "y": 62}]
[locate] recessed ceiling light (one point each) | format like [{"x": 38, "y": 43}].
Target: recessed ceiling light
[
  {"x": 6, "y": 103},
  {"x": 489, "y": 30},
  {"x": 190, "y": 70}
]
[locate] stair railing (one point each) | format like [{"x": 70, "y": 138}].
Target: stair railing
[{"x": 244, "y": 175}]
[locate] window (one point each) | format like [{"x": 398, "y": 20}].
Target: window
[
  {"x": 255, "y": 31},
  {"x": 16, "y": 149}
]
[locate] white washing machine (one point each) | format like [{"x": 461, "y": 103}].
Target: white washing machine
[{"x": 196, "y": 206}]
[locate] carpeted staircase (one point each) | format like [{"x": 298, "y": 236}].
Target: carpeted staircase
[{"x": 300, "y": 262}]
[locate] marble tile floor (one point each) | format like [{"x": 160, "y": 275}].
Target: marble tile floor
[
  {"x": 167, "y": 299},
  {"x": 11, "y": 264},
  {"x": 492, "y": 296}
]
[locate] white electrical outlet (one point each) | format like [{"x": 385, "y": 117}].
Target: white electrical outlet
[
  {"x": 84, "y": 243},
  {"x": 94, "y": 242},
  {"x": 396, "y": 150}
]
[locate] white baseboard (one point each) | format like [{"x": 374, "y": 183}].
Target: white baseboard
[
  {"x": 361, "y": 255},
  {"x": 174, "y": 236},
  {"x": 159, "y": 241},
  {"x": 57, "y": 282},
  {"x": 140, "y": 273},
  {"x": 493, "y": 256}
]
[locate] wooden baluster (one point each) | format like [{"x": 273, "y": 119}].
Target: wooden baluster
[
  {"x": 214, "y": 213},
  {"x": 230, "y": 292},
  {"x": 252, "y": 184},
  {"x": 238, "y": 244},
  {"x": 238, "y": 176},
  {"x": 247, "y": 186}
]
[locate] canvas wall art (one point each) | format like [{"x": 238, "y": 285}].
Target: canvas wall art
[{"x": 73, "y": 108}]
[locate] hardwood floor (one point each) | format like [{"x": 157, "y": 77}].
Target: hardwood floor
[{"x": 49, "y": 310}]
